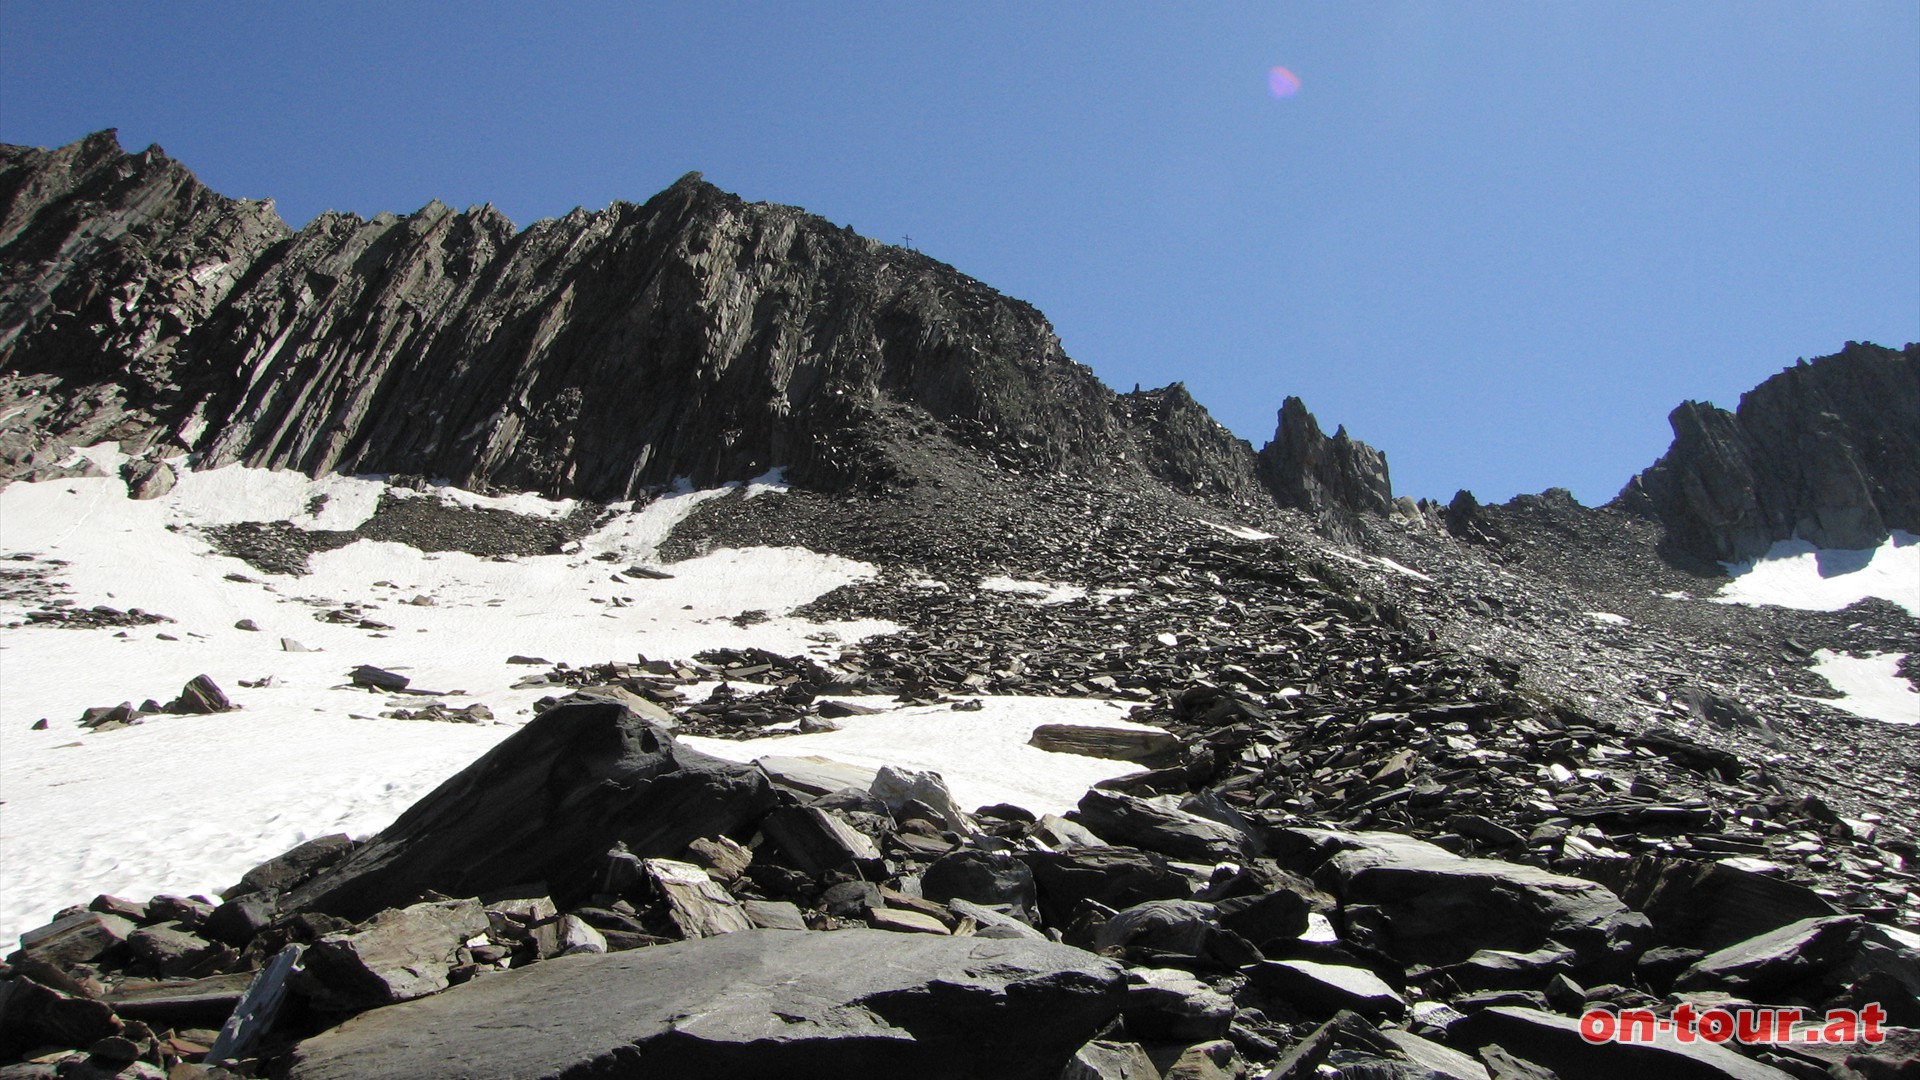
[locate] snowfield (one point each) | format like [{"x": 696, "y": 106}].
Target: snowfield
[
  {"x": 186, "y": 804},
  {"x": 983, "y": 755},
  {"x": 1871, "y": 686},
  {"x": 1795, "y": 574}
]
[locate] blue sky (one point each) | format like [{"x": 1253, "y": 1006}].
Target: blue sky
[{"x": 1499, "y": 241}]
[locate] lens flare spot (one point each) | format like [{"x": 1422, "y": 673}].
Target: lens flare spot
[{"x": 1282, "y": 83}]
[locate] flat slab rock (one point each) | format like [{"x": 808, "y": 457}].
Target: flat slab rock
[{"x": 757, "y": 1003}]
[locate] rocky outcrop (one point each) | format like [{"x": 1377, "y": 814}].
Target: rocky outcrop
[
  {"x": 544, "y": 806},
  {"x": 109, "y": 263},
  {"x": 1184, "y": 446},
  {"x": 1827, "y": 451},
  {"x": 1306, "y": 470},
  {"x": 596, "y": 355}
]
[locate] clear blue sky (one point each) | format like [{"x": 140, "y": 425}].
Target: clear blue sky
[{"x": 1497, "y": 240}]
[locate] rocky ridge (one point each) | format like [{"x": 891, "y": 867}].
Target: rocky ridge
[
  {"x": 602, "y": 355},
  {"x": 1826, "y": 452}
]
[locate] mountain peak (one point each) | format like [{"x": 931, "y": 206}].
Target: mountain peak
[{"x": 1825, "y": 451}]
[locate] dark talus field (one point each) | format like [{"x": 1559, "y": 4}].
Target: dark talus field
[{"x": 731, "y": 646}]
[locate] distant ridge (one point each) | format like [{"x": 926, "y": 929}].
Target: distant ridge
[{"x": 602, "y": 354}]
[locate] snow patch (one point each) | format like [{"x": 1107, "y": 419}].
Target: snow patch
[
  {"x": 983, "y": 756},
  {"x": 183, "y": 804},
  {"x": 188, "y": 804},
  {"x": 1870, "y": 685},
  {"x": 1398, "y": 569},
  {"x": 1795, "y": 574},
  {"x": 526, "y": 503},
  {"x": 1240, "y": 531},
  {"x": 1609, "y": 618},
  {"x": 105, "y": 456},
  {"x": 771, "y": 482},
  {"x": 1042, "y": 592}
]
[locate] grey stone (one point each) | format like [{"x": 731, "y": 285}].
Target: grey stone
[
  {"x": 814, "y": 775},
  {"x": 1184, "y": 929},
  {"x": 254, "y": 1014},
  {"x": 816, "y": 841},
  {"x": 1776, "y": 959},
  {"x": 1170, "y": 1005},
  {"x": 147, "y": 479},
  {"x": 1701, "y": 904},
  {"x": 399, "y": 955},
  {"x": 620, "y": 695},
  {"x": 695, "y": 904},
  {"x": 171, "y": 949},
  {"x": 179, "y": 1003},
  {"x": 1440, "y": 1062},
  {"x": 1117, "y": 744},
  {"x": 1118, "y": 877},
  {"x": 774, "y": 914},
  {"x": 992, "y": 923},
  {"x": 377, "y": 678},
  {"x": 1327, "y": 989},
  {"x": 900, "y": 787},
  {"x": 200, "y": 696},
  {"x": 39, "y": 1016},
  {"x": 76, "y": 939},
  {"x": 1424, "y": 905},
  {"x": 756, "y": 1004},
  {"x": 293, "y": 866},
  {"x": 723, "y": 858},
  {"x": 1124, "y": 819},
  {"x": 577, "y": 936},
  {"x": 991, "y": 878},
  {"x": 238, "y": 920},
  {"x": 1103, "y": 1060}
]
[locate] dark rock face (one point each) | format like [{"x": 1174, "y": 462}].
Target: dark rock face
[
  {"x": 108, "y": 262},
  {"x": 544, "y": 806},
  {"x": 596, "y": 355},
  {"x": 758, "y": 1003},
  {"x": 1306, "y": 470},
  {"x": 1184, "y": 446},
  {"x": 1828, "y": 451}
]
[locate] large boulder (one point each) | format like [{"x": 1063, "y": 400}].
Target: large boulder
[
  {"x": 398, "y": 956},
  {"x": 1125, "y": 819},
  {"x": 1706, "y": 905},
  {"x": 1422, "y": 904},
  {"x": 545, "y": 806},
  {"x": 1777, "y": 959},
  {"x": 758, "y": 1003}
]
